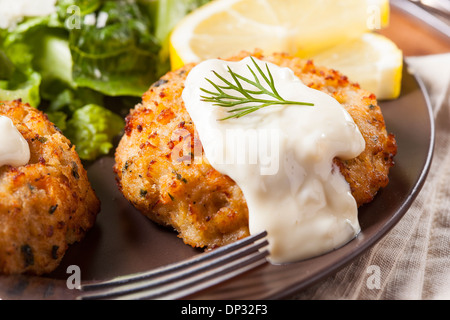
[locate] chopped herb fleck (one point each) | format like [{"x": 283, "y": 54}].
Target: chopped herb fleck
[
  {"x": 125, "y": 166},
  {"x": 55, "y": 252},
  {"x": 171, "y": 196},
  {"x": 143, "y": 193},
  {"x": 180, "y": 177},
  {"x": 75, "y": 170},
  {"x": 160, "y": 82},
  {"x": 53, "y": 209},
  {"x": 28, "y": 256}
]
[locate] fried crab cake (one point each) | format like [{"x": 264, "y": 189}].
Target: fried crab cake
[
  {"x": 158, "y": 173},
  {"x": 45, "y": 205}
]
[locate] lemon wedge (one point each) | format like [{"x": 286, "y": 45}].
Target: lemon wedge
[
  {"x": 223, "y": 28},
  {"x": 372, "y": 60}
]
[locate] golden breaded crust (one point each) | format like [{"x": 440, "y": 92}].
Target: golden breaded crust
[
  {"x": 45, "y": 205},
  {"x": 206, "y": 207}
]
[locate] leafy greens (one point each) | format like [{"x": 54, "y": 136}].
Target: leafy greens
[{"x": 71, "y": 62}]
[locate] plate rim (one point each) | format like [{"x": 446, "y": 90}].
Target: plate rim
[
  {"x": 287, "y": 291},
  {"x": 296, "y": 287},
  {"x": 395, "y": 218}
]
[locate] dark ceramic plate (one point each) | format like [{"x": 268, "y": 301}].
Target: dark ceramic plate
[{"x": 124, "y": 241}]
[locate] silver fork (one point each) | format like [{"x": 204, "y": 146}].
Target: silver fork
[{"x": 184, "y": 278}]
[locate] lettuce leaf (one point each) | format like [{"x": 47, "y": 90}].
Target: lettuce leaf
[
  {"x": 21, "y": 86},
  {"x": 19, "y": 81},
  {"x": 53, "y": 61},
  {"x": 83, "y": 7},
  {"x": 165, "y": 15},
  {"x": 114, "y": 52},
  {"x": 67, "y": 102},
  {"x": 92, "y": 129},
  {"x": 6, "y": 66},
  {"x": 22, "y": 49},
  {"x": 36, "y": 63},
  {"x": 71, "y": 62}
]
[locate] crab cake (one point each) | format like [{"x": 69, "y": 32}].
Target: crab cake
[
  {"x": 45, "y": 205},
  {"x": 160, "y": 171}
]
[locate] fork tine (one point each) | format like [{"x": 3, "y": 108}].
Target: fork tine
[
  {"x": 222, "y": 259},
  {"x": 176, "y": 266},
  {"x": 201, "y": 281}
]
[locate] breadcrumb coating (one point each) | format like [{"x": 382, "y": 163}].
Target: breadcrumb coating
[
  {"x": 159, "y": 169},
  {"x": 45, "y": 205}
]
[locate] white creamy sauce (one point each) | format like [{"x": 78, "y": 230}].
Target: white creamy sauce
[
  {"x": 282, "y": 159},
  {"x": 14, "y": 149}
]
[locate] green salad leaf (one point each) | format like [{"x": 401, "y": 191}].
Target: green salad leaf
[
  {"x": 23, "y": 86},
  {"x": 17, "y": 79},
  {"x": 24, "y": 47},
  {"x": 92, "y": 129},
  {"x": 6, "y": 66},
  {"x": 67, "y": 102},
  {"x": 69, "y": 8},
  {"x": 87, "y": 63},
  {"x": 53, "y": 61},
  {"x": 165, "y": 15},
  {"x": 115, "y": 52}
]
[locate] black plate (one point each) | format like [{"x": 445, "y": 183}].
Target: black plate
[{"x": 124, "y": 241}]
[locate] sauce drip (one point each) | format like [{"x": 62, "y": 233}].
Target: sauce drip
[
  {"x": 14, "y": 149},
  {"x": 281, "y": 157}
]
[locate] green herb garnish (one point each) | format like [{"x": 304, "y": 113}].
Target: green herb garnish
[{"x": 245, "y": 96}]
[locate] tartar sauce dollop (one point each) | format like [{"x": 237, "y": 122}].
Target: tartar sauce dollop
[
  {"x": 282, "y": 159},
  {"x": 14, "y": 149}
]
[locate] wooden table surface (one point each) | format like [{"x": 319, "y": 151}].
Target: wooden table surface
[{"x": 414, "y": 37}]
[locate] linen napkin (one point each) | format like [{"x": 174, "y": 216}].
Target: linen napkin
[{"x": 412, "y": 262}]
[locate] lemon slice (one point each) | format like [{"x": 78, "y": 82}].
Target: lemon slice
[
  {"x": 372, "y": 60},
  {"x": 223, "y": 28}
]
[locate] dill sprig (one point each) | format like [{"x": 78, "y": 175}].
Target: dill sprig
[{"x": 242, "y": 96}]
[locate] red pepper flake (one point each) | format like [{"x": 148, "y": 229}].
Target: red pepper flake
[{"x": 49, "y": 231}]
